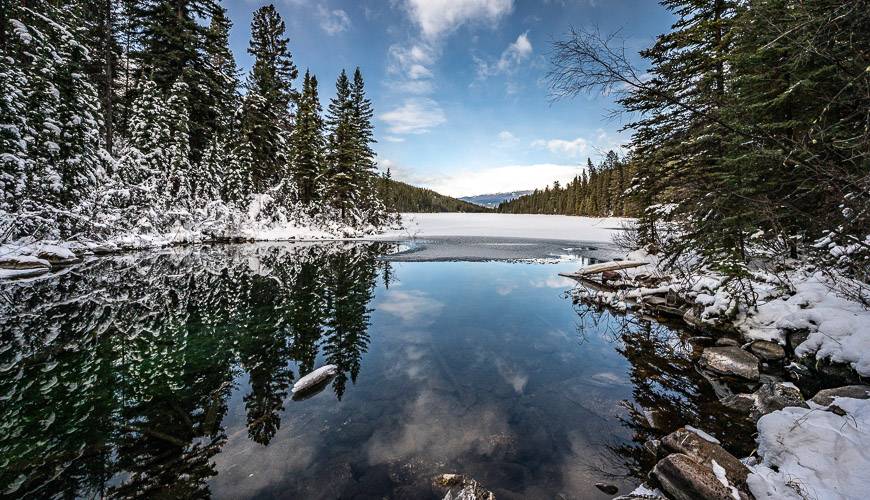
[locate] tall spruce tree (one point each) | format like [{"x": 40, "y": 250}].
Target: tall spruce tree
[
  {"x": 270, "y": 94},
  {"x": 341, "y": 151},
  {"x": 308, "y": 143},
  {"x": 364, "y": 155}
]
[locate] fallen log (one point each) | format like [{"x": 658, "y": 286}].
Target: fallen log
[{"x": 615, "y": 265}]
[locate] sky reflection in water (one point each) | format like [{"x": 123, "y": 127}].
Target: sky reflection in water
[{"x": 170, "y": 374}]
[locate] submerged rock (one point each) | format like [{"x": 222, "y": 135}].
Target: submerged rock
[
  {"x": 460, "y": 487},
  {"x": 826, "y": 396},
  {"x": 683, "y": 478},
  {"x": 770, "y": 351},
  {"x": 732, "y": 361},
  {"x": 607, "y": 488}
]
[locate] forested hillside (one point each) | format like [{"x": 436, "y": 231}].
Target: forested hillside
[
  {"x": 597, "y": 192},
  {"x": 751, "y": 133},
  {"x": 403, "y": 197},
  {"x": 131, "y": 117}
]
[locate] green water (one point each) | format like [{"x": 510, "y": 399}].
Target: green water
[{"x": 168, "y": 375}]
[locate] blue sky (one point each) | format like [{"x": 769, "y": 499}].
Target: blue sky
[{"x": 458, "y": 85}]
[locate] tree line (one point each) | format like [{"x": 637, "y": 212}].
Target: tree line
[
  {"x": 751, "y": 130},
  {"x": 132, "y": 115},
  {"x": 403, "y": 197},
  {"x": 596, "y": 192}
]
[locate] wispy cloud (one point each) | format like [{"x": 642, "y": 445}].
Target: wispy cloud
[
  {"x": 438, "y": 17},
  {"x": 413, "y": 306},
  {"x": 570, "y": 148},
  {"x": 415, "y": 116},
  {"x": 333, "y": 21},
  {"x": 502, "y": 179},
  {"x": 518, "y": 51}
]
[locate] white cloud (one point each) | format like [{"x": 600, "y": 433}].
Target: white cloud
[
  {"x": 414, "y": 116},
  {"x": 437, "y": 17},
  {"x": 505, "y": 138},
  {"x": 413, "y": 306},
  {"x": 333, "y": 21},
  {"x": 571, "y": 149},
  {"x": 392, "y": 138},
  {"x": 515, "y": 53},
  {"x": 502, "y": 179}
]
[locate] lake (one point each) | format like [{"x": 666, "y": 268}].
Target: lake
[{"x": 168, "y": 374}]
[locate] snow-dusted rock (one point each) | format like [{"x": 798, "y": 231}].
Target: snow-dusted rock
[
  {"x": 776, "y": 396},
  {"x": 56, "y": 255},
  {"x": 23, "y": 262},
  {"x": 826, "y": 396},
  {"x": 314, "y": 378},
  {"x": 770, "y": 351},
  {"x": 642, "y": 492},
  {"x": 730, "y": 361},
  {"x": 683, "y": 478},
  {"x": 701, "y": 449},
  {"x": 807, "y": 453},
  {"x": 459, "y": 487}
]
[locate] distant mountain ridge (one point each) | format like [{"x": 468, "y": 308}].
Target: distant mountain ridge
[
  {"x": 407, "y": 198},
  {"x": 494, "y": 199}
]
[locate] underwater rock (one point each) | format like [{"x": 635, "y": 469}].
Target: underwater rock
[
  {"x": 730, "y": 361},
  {"x": 726, "y": 342},
  {"x": 607, "y": 488}
]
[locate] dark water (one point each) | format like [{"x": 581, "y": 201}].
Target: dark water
[{"x": 169, "y": 375}]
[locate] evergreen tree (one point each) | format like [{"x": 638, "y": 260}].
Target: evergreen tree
[
  {"x": 341, "y": 150},
  {"x": 267, "y": 105},
  {"x": 307, "y": 143},
  {"x": 363, "y": 132}
]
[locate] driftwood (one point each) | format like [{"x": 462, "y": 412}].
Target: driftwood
[{"x": 606, "y": 266}]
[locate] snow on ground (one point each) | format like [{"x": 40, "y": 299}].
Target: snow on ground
[
  {"x": 544, "y": 227},
  {"x": 813, "y": 453},
  {"x": 839, "y": 328}
]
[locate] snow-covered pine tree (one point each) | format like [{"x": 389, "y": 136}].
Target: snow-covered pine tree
[
  {"x": 177, "y": 169},
  {"x": 364, "y": 156},
  {"x": 267, "y": 104},
  {"x": 340, "y": 179},
  {"x": 237, "y": 186},
  {"x": 307, "y": 143},
  {"x": 61, "y": 128}
]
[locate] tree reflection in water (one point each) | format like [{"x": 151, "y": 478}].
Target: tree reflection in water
[
  {"x": 116, "y": 374},
  {"x": 667, "y": 390}
]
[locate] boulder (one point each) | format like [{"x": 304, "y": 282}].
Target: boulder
[
  {"x": 314, "y": 382},
  {"x": 770, "y": 351},
  {"x": 459, "y": 487},
  {"x": 683, "y": 478},
  {"x": 703, "y": 451},
  {"x": 775, "y": 396},
  {"x": 826, "y": 396},
  {"x": 23, "y": 262},
  {"x": 730, "y": 360},
  {"x": 743, "y": 403},
  {"x": 57, "y": 255}
]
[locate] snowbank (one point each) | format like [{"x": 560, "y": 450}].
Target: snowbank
[
  {"x": 813, "y": 453},
  {"x": 542, "y": 227},
  {"x": 839, "y": 329}
]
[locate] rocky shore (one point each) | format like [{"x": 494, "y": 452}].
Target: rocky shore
[{"x": 811, "y": 407}]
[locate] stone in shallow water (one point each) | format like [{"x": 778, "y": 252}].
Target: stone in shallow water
[
  {"x": 726, "y": 341},
  {"x": 770, "y": 351},
  {"x": 461, "y": 487},
  {"x": 705, "y": 452},
  {"x": 683, "y": 478},
  {"x": 826, "y": 396},
  {"x": 607, "y": 488},
  {"x": 776, "y": 396},
  {"x": 730, "y": 361}
]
